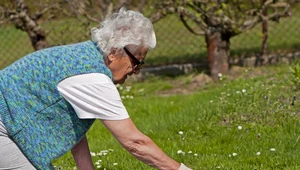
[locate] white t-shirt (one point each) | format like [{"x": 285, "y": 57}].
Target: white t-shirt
[{"x": 93, "y": 96}]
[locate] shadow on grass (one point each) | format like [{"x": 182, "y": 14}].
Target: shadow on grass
[{"x": 179, "y": 59}]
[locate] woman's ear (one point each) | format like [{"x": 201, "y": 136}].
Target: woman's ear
[{"x": 112, "y": 55}]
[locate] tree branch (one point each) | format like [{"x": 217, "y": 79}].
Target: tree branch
[
  {"x": 196, "y": 8},
  {"x": 277, "y": 15},
  {"x": 274, "y": 16},
  {"x": 38, "y": 15},
  {"x": 189, "y": 28},
  {"x": 141, "y": 6},
  {"x": 184, "y": 12},
  {"x": 160, "y": 14},
  {"x": 2, "y": 15},
  {"x": 250, "y": 23}
]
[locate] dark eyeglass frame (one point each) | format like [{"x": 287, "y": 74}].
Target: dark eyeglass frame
[{"x": 138, "y": 63}]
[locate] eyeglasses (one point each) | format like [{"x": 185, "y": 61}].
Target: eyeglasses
[{"x": 138, "y": 64}]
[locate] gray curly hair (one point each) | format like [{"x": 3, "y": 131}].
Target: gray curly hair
[{"x": 124, "y": 28}]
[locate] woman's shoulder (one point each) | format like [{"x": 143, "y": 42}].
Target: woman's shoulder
[{"x": 74, "y": 46}]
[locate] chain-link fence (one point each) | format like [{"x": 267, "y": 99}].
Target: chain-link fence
[{"x": 175, "y": 44}]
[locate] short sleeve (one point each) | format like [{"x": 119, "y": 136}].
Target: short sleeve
[{"x": 93, "y": 96}]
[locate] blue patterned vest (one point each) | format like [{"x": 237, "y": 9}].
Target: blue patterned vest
[{"x": 40, "y": 121}]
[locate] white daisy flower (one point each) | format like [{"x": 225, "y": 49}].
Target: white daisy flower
[{"x": 93, "y": 153}]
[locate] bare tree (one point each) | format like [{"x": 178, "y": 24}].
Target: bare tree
[
  {"x": 264, "y": 30},
  {"x": 18, "y": 13},
  {"x": 220, "y": 20}
]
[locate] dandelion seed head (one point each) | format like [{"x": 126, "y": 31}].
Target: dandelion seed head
[
  {"x": 257, "y": 153},
  {"x": 234, "y": 154},
  {"x": 240, "y": 127},
  {"x": 180, "y": 133}
]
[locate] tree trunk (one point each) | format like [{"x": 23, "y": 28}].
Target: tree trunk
[
  {"x": 260, "y": 60},
  {"x": 35, "y": 33},
  {"x": 265, "y": 34},
  {"x": 218, "y": 53},
  {"x": 22, "y": 20}
]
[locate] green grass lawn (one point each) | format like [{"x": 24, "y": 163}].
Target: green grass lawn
[{"x": 246, "y": 123}]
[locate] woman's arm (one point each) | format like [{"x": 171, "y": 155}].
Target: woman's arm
[
  {"x": 139, "y": 145},
  {"x": 82, "y": 156}
]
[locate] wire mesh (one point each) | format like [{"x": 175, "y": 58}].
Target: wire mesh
[{"x": 175, "y": 44}]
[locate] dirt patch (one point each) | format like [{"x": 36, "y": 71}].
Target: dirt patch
[
  {"x": 194, "y": 82},
  {"x": 243, "y": 72},
  {"x": 188, "y": 85}
]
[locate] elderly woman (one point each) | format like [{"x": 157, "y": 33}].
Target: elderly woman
[{"x": 50, "y": 98}]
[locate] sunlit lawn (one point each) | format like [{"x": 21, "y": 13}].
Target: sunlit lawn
[{"x": 247, "y": 123}]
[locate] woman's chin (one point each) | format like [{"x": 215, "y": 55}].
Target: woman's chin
[{"x": 121, "y": 81}]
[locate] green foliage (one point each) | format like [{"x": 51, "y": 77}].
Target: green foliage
[
  {"x": 295, "y": 78},
  {"x": 224, "y": 6}
]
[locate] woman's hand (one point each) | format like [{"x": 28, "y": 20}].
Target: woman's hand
[
  {"x": 82, "y": 156},
  {"x": 139, "y": 145}
]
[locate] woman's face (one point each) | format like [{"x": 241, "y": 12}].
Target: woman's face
[{"x": 122, "y": 65}]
